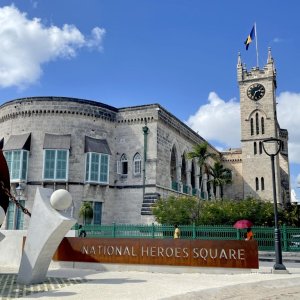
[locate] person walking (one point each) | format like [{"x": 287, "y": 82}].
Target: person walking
[
  {"x": 249, "y": 235},
  {"x": 176, "y": 232}
]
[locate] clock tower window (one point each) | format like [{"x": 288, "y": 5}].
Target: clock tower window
[
  {"x": 262, "y": 125},
  {"x": 257, "y": 123},
  {"x": 262, "y": 183},
  {"x": 251, "y": 126},
  {"x": 260, "y": 148},
  {"x": 255, "y": 148},
  {"x": 256, "y": 184}
]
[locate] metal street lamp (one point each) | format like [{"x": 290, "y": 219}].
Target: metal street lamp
[
  {"x": 19, "y": 191},
  {"x": 271, "y": 147}
]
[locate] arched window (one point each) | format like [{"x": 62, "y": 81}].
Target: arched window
[
  {"x": 257, "y": 123},
  {"x": 252, "y": 127},
  {"x": 137, "y": 164},
  {"x": 260, "y": 147},
  {"x": 262, "y": 183},
  {"x": 262, "y": 125},
  {"x": 122, "y": 165},
  {"x": 255, "y": 148},
  {"x": 256, "y": 184}
]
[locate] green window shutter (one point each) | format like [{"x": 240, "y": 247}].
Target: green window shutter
[
  {"x": 94, "y": 167},
  {"x": 97, "y": 213},
  {"x": 10, "y": 216},
  {"x": 87, "y": 166},
  {"x": 24, "y": 165},
  {"x": 49, "y": 164},
  {"x": 8, "y": 157},
  {"x": 61, "y": 164},
  {"x": 20, "y": 216},
  {"x": 104, "y": 168},
  {"x": 16, "y": 165}
]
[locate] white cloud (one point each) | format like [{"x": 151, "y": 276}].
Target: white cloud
[
  {"x": 277, "y": 40},
  {"x": 27, "y": 44},
  {"x": 218, "y": 121},
  {"x": 288, "y": 117}
]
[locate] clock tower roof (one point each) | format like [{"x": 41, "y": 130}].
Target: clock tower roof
[{"x": 268, "y": 71}]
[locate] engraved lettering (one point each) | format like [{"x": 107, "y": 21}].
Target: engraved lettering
[
  {"x": 132, "y": 251},
  {"x": 126, "y": 251},
  {"x": 195, "y": 252},
  {"x": 232, "y": 253},
  {"x": 160, "y": 251},
  {"x": 185, "y": 251},
  {"x": 223, "y": 254},
  {"x": 203, "y": 253},
  {"x": 118, "y": 250},
  {"x": 241, "y": 254},
  {"x": 85, "y": 250},
  {"x": 145, "y": 251},
  {"x": 169, "y": 252},
  {"x": 110, "y": 250},
  {"x": 92, "y": 250},
  {"x": 177, "y": 252},
  {"x": 211, "y": 255},
  {"x": 153, "y": 251}
]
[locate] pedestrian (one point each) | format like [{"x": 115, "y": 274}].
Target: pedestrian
[
  {"x": 82, "y": 232},
  {"x": 249, "y": 235},
  {"x": 176, "y": 232}
]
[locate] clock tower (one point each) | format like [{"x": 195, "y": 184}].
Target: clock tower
[{"x": 258, "y": 122}]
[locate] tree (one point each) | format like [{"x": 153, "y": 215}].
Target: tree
[
  {"x": 227, "y": 212},
  {"x": 220, "y": 177},
  {"x": 86, "y": 211},
  {"x": 175, "y": 210},
  {"x": 201, "y": 154}
]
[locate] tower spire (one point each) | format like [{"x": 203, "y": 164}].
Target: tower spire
[
  {"x": 270, "y": 58},
  {"x": 239, "y": 64}
]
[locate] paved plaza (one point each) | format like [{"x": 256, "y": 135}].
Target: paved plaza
[{"x": 70, "y": 283}]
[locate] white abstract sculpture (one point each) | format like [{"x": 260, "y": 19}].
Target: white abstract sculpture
[
  {"x": 47, "y": 228},
  {"x": 2, "y": 215}
]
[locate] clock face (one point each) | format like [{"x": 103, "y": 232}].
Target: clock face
[{"x": 256, "y": 91}]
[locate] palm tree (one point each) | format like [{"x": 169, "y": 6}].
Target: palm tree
[
  {"x": 220, "y": 177},
  {"x": 86, "y": 211},
  {"x": 201, "y": 154}
]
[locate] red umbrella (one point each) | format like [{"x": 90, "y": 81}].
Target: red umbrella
[{"x": 243, "y": 224}]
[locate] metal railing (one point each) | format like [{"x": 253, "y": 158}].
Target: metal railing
[{"x": 290, "y": 236}]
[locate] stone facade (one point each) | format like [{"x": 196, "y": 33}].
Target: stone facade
[{"x": 157, "y": 136}]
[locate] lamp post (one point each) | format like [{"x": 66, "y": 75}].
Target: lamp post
[
  {"x": 19, "y": 191},
  {"x": 145, "y": 132},
  {"x": 272, "y": 147}
]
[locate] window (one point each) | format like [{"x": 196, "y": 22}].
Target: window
[
  {"x": 97, "y": 214},
  {"x": 252, "y": 126},
  {"x": 17, "y": 161},
  {"x": 262, "y": 125},
  {"x": 97, "y": 168},
  {"x": 122, "y": 165},
  {"x": 256, "y": 184},
  {"x": 260, "y": 147},
  {"x": 137, "y": 164},
  {"x": 56, "y": 163},
  {"x": 255, "y": 148},
  {"x": 15, "y": 216},
  {"x": 257, "y": 123},
  {"x": 262, "y": 183}
]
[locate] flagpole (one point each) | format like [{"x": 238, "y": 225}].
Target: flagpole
[{"x": 256, "y": 45}]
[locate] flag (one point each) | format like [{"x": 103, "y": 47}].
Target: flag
[{"x": 250, "y": 38}]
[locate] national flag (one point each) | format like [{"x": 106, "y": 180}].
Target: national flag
[{"x": 250, "y": 38}]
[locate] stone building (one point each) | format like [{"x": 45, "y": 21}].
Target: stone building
[{"x": 122, "y": 159}]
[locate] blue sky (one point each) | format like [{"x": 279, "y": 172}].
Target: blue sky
[{"x": 180, "y": 54}]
